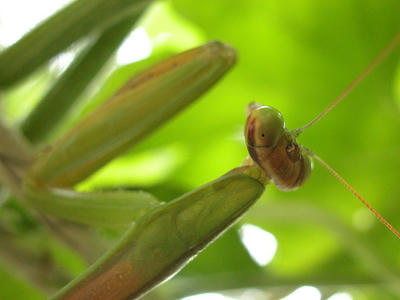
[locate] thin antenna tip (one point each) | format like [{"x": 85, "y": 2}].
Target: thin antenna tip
[{"x": 354, "y": 192}]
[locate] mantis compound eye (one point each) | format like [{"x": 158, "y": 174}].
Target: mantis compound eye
[{"x": 264, "y": 127}]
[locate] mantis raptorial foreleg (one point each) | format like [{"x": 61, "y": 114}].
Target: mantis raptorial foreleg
[
  {"x": 141, "y": 105},
  {"x": 163, "y": 241},
  {"x": 164, "y": 237},
  {"x": 111, "y": 209}
]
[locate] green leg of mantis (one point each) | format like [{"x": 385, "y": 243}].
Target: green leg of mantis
[
  {"x": 165, "y": 240},
  {"x": 109, "y": 209}
]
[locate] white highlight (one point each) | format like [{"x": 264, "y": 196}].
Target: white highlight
[
  {"x": 304, "y": 292},
  {"x": 19, "y": 16},
  {"x": 260, "y": 244},
  {"x": 208, "y": 296},
  {"x": 61, "y": 62},
  {"x": 340, "y": 296},
  {"x": 137, "y": 46}
]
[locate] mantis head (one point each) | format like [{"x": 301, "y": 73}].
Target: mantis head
[{"x": 274, "y": 149}]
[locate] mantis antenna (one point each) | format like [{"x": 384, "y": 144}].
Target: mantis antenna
[
  {"x": 377, "y": 60},
  {"x": 382, "y": 55},
  {"x": 351, "y": 189}
]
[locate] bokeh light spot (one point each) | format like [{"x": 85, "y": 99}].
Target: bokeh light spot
[
  {"x": 136, "y": 46},
  {"x": 340, "y": 296},
  {"x": 260, "y": 244},
  {"x": 208, "y": 296},
  {"x": 304, "y": 292}
]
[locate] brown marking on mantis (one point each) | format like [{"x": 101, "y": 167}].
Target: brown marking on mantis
[{"x": 116, "y": 282}]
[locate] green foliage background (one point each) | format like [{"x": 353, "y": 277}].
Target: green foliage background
[{"x": 296, "y": 56}]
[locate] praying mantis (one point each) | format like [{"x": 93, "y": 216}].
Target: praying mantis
[
  {"x": 45, "y": 181},
  {"x": 47, "y": 187}
]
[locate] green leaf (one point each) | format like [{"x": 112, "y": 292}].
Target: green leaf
[
  {"x": 52, "y": 108},
  {"x": 70, "y": 24},
  {"x": 14, "y": 288}
]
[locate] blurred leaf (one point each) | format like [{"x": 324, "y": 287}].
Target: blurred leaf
[
  {"x": 31, "y": 91},
  {"x": 67, "y": 259},
  {"x": 63, "y": 28},
  {"x": 64, "y": 94},
  {"x": 14, "y": 288}
]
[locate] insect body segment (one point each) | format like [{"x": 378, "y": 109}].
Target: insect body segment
[{"x": 274, "y": 148}]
